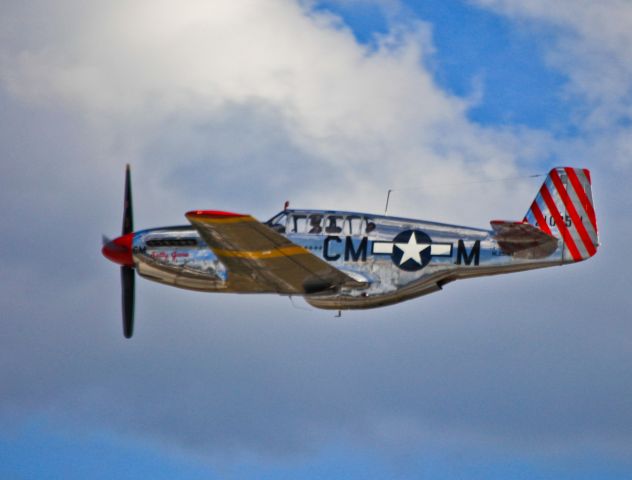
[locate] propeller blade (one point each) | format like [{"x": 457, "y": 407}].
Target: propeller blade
[
  {"x": 105, "y": 240},
  {"x": 128, "y": 217},
  {"x": 127, "y": 291}
]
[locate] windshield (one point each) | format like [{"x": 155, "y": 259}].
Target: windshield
[{"x": 278, "y": 222}]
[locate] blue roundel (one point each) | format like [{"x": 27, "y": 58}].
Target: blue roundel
[{"x": 411, "y": 250}]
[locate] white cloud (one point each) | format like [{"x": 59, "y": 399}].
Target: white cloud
[{"x": 361, "y": 119}]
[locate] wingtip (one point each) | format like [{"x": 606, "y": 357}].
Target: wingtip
[{"x": 213, "y": 214}]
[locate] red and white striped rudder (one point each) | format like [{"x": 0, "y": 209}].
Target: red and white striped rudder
[{"x": 564, "y": 208}]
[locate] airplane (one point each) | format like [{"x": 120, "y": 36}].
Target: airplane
[{"x": 347, "y": 260}]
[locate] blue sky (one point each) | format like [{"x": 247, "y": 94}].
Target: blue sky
[
  {"x": 43, "y": 451},
  {"x": 241, "y": 106},
  {"x": 475, "y": 46}
]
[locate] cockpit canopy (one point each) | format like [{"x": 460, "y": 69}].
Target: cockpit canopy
[{"x": 311, "y": 222}]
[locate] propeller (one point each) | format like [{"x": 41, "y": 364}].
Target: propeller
[
  {"x": 119, "y": 251},
  {"x": 128, "y": 216},
  {"x": 127, "y": 290},
  {"x": 127, "y": 272}
]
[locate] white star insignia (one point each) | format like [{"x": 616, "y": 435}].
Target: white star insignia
[{"x": 411, "y": 250}]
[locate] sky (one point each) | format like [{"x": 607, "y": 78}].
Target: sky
[{"x": 240, "y": 105}]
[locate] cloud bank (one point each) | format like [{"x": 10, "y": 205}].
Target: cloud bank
[
  {"x": 240, "y": 106},
  {"x": 348, "y": 120}
]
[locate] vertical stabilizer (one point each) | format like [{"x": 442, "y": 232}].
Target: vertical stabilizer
[{"x": 564, "y": 208}]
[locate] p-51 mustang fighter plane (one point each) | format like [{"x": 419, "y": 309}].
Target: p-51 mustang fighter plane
[{"x": 347, "y": 260}]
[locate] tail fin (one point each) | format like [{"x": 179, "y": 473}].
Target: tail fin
[{"x": 564, "y": 208}]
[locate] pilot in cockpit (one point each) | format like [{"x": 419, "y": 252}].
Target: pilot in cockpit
[
  {"x": 314, "y": 224},
  {"x": 332, "y": 227}
]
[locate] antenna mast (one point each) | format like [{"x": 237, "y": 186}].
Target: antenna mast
[{"x": 388, "y": 196}]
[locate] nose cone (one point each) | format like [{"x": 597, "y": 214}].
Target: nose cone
[{"x": 119, "y": 250}]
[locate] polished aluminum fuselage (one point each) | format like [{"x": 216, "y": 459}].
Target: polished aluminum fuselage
[{"x": 178, "y": 256}]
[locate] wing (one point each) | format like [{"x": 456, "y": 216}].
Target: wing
[
  {"x": 523, "y": 240},
  {"x": 260, "y": 259}
]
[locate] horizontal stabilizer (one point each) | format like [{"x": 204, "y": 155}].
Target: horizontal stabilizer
[{"x": 523, "y": 240}]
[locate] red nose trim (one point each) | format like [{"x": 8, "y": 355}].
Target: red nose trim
[{"x": 119, "y": 250}]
